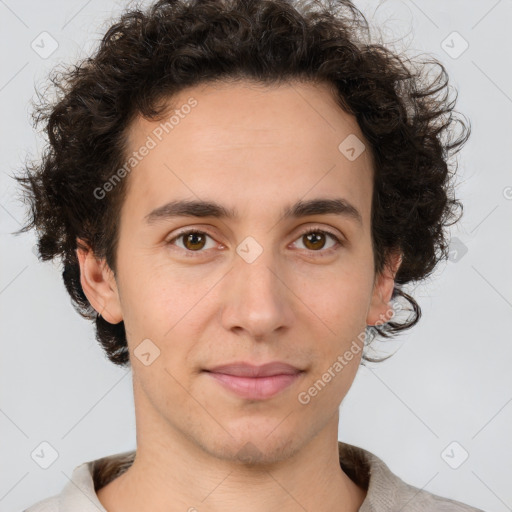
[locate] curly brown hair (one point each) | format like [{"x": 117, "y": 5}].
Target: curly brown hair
[{"x": 151, "y": 54}]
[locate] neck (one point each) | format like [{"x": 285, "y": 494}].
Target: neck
[{"x": 187, "y": 473}]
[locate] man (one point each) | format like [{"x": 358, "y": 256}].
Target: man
[{"x": 238, "y": 191}]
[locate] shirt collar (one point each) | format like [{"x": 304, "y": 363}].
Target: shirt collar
[{"x": 363, "y": 467}]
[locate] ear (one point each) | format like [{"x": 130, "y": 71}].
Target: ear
[
  {"x": 380, "y": 311},
  {"x": 99, "y": 285}
]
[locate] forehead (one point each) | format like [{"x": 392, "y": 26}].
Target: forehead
[{"x": 249, "y": 145}]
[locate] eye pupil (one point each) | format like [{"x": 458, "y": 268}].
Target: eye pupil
[
  {"x": 314, "y": 237},
  {"x": 190, "y": 237}
]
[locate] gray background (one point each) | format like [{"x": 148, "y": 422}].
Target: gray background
[{"x": 449, "y": 381}]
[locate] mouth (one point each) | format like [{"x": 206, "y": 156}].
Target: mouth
[
  {"x": 255, "y": 382},
  {"x": 243, "y": 369}
]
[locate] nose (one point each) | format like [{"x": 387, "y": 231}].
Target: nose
[{"x": 257, "y": 301}]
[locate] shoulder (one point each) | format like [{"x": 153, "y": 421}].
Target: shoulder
[
  {"x": 406, "y": 496},
  {"x": 386, "y": 491},
  {"x": 423, "y": 501},
  {"x": 50, "y": 504},
  {"x": 80, "y": 492}
]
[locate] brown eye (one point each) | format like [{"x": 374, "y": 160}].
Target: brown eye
[
  {"x": 192, "y": 240},
  {"x": 314, "y": 240}
]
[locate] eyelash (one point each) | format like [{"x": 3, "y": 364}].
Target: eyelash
[{"x": 308, "y": 231}]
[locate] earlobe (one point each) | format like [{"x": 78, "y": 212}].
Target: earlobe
[
  {"x": 380, "y": 310},
  {"x": 98, "y": 284}
]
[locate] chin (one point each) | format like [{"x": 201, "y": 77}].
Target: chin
[{"x": 254, "y": 446}]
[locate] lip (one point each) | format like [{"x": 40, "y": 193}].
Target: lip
[
  {"x": 255, "y": 382},
  {"x": 243, "y": 369}
]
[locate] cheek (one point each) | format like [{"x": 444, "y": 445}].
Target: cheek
[
  {"x": 166, "y": 311},
  {"x": 148, "y": 319},
  {"x": 148, "y": 293},
  {"x": 341, "y": 299},
  {"x": 339, "y": 327}
]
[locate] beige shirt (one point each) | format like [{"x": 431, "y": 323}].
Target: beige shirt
[{"x": 386, "y": 492}]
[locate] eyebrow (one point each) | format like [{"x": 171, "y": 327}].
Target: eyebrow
[{"x": 197, "y": 208}]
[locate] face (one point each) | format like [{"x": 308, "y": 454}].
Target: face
[{"x": 252, "y": 286}]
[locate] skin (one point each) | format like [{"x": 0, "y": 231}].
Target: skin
[{"x": 256, "y": 149}]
